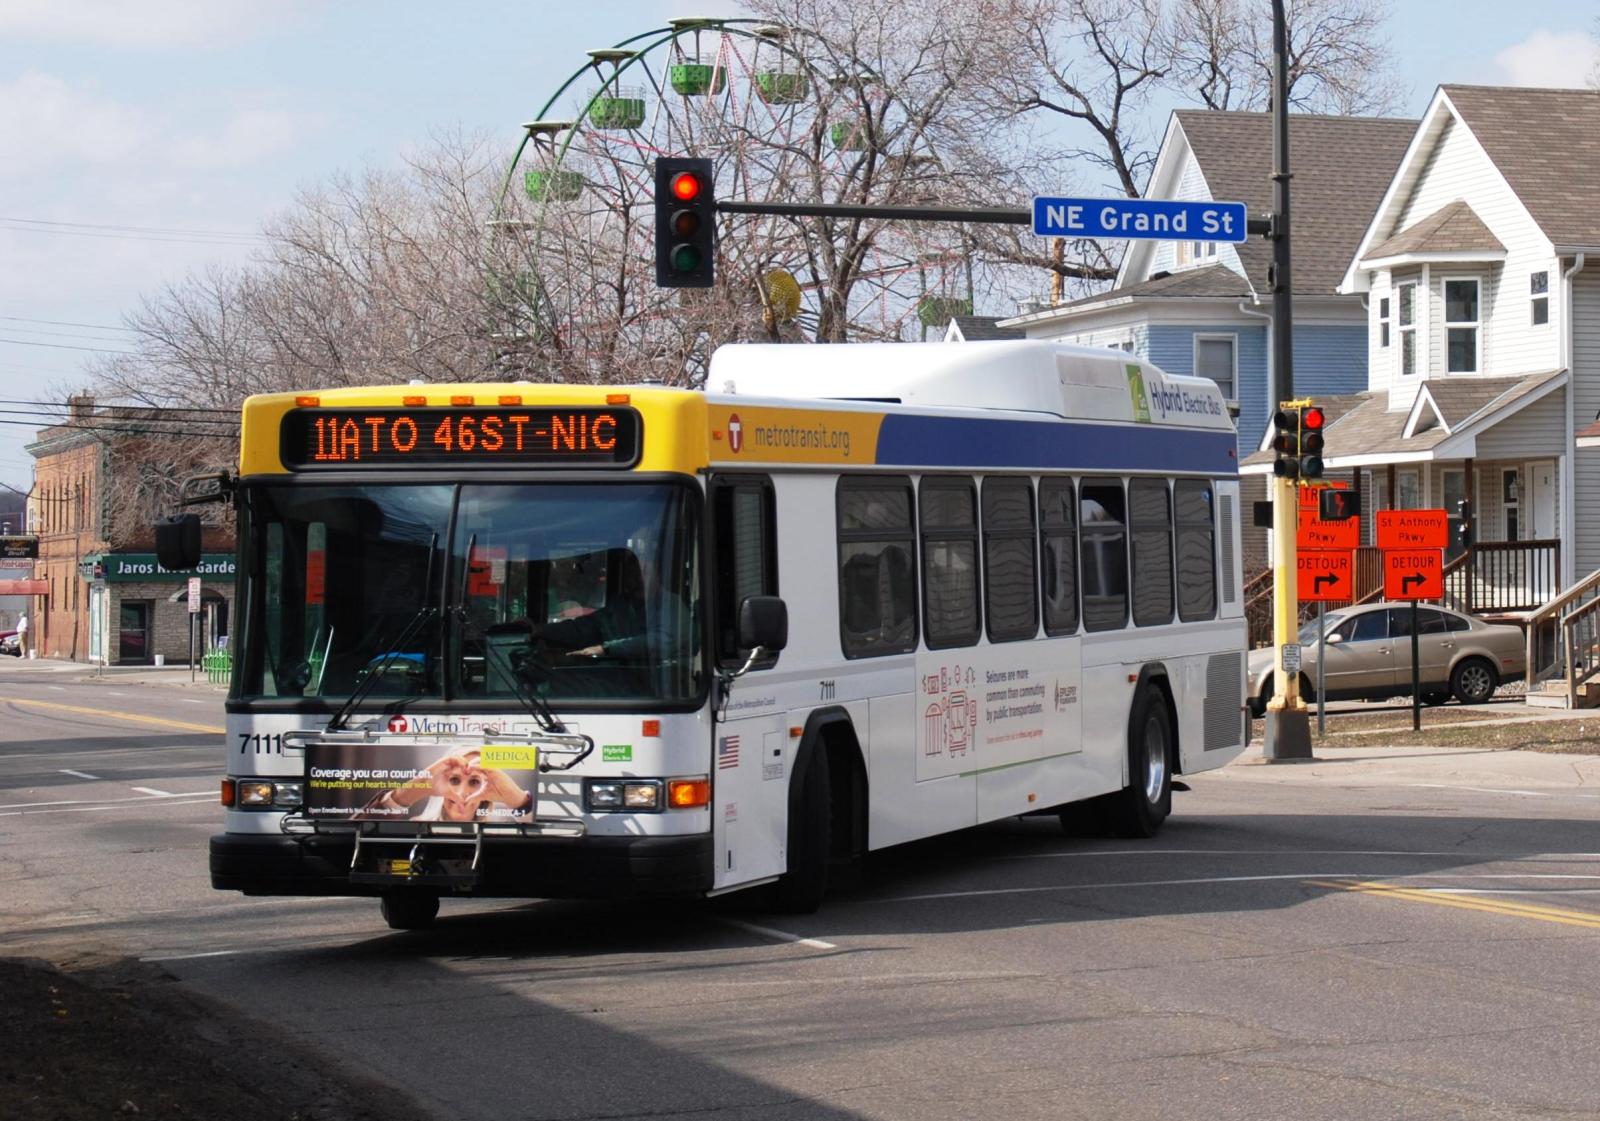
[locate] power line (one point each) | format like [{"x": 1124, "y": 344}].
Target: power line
[
  {"x": 43, "y": 405},
  {"x": 65, "y": 323},
  {"x": 181, "y": 231},
  {"x": 65, "y": 346}
]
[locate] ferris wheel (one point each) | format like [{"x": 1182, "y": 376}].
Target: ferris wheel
[{"x": 574, "y": 240}]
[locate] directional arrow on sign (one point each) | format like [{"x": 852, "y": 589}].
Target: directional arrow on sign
[
  {"x": 1319, "y": 581},
  {"x": 1407, "y": 581}
]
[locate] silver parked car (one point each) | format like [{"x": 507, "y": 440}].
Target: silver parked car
[{"x": 1369, "y": 656}]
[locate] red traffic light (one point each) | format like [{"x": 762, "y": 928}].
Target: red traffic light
[
  {"x": 1311, "y": 418},
  {"x": 685, "y": 186}
]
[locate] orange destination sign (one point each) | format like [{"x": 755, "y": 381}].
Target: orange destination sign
[
  {"x": 1413, "y": 573},
  {"x": 1413, "y": 529},
  {"x": 1313, "y": 533},
  {"x": 1324, "y": 575}
]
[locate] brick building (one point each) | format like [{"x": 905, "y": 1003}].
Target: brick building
[{"x": 106, "y": 599}]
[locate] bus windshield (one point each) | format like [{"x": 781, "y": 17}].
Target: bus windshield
[{"x": 584, "y": 594}]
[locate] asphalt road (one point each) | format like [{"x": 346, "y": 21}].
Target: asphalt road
[{"x": 1390, "y": 935}]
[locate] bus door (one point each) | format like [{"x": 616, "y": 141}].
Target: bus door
[{"x": 750, "y": 749}]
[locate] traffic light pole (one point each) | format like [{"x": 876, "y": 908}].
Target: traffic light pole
[{"x": 1288, "y": 726}]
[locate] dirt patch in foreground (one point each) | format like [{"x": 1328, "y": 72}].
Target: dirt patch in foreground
[
  {"x": 122, "y": 1040},
  {"x": 1561, "y": 737}
]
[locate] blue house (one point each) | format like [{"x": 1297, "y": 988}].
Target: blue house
[{"x": 1204, "y": 307}]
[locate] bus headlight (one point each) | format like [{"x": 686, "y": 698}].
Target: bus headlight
[
  {"x": 255, "y": 793},
  {"x": 266, "y": 795},
  {"x": 607, "y": 795}
]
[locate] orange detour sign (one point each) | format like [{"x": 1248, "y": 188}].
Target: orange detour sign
[
  {"x": 1324, "y": 576},
  {"x": 1413, "y": 573},
  {"x": 1413, "y": 529}
]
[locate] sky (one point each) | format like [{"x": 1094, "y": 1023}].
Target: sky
[{"x": 143, "y": 140}]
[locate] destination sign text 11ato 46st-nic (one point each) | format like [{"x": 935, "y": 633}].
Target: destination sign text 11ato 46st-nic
[{"x": 379, "y": 437}]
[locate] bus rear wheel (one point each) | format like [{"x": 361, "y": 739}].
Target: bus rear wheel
[
  {"x": 1140, "y": 808},
  {"x": 410, "y": 910}
]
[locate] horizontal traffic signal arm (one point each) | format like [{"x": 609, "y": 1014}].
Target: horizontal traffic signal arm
[{"x": 1000, "y": 216}]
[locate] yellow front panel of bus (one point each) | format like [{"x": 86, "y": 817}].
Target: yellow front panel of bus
[{"x": 459, "y": 425}]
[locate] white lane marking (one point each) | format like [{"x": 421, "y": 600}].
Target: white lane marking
[
  {"x": 191, "y": 957},
  {"x": 80, "y": 774},
  {"x": 208, "y": 748},
  {"x": 114, "y": 693},
  {"x": 124, "y": 803},
  {"x": 57, "y": 688},
  {"x": 1501, "y": 790},
  {"x": 152, "y": 791},
  {"x": 192, "y": 701},
  {"x": 780, "y": 935}
]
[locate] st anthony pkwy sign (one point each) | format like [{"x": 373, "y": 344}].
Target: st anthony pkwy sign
[{"x": 1139, "y": 219}]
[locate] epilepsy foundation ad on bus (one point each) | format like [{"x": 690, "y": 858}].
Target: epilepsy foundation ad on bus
[{"x": 495, "y": 783}]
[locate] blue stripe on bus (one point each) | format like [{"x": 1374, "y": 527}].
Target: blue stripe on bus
[{"x": 975, "y": 442}]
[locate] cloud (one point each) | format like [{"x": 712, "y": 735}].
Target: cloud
[
  {"x": 247, "y": 136},
  {"x": 144, "y": 23},
  {"x": 1565, "y": 59},
  {"x": 52, "y": 123}
]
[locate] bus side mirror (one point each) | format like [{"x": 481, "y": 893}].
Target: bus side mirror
[
  {"x": 178, "y": 542},
  {"x": 763, "y": 622}
]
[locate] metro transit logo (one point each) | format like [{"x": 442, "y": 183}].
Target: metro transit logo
[
  {"x": 735, "y": 433},
  {"x": 399, "y": 723}
]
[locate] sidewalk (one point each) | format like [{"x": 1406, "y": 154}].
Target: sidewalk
[{"x": 58, "y": 669}]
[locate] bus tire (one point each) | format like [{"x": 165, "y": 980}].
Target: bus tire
[
  {"x": 410, "y": 910},
  {"x": 799, "y": 891},
  {"x": 1139, "y": 809}
]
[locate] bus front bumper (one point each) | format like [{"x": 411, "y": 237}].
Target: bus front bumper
[{"x": 547, "y": 868}]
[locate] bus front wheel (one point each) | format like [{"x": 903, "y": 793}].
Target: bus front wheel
[
  {"x": 799, "y": 891},
  {"x": 1139, "y": 809},
  {"x": 410, "y": 910}
]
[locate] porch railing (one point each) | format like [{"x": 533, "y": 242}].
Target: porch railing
[
  {"x": 1500, "y": 576},
  {"x": 1547, "y": 641},
  {"x": 1580, "y": 636}
]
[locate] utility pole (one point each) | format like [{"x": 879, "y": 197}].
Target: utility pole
[{"x": 1288, "y": 725}]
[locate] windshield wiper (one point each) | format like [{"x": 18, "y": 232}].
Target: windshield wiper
[
  {"x": 514, "y": 670},
  {"x": 407, "y": 633}
]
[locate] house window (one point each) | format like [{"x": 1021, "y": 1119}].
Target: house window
[
  {"x": 1383, "y": 321},
  {"x": 1454, "y": 484},
  {"x": 1215, "y": 358},
  {"x": 1407, "y": 299},
  {"x": 1539, "y": 289},
  {"x": 1511, "y": 501},
  {"x": 1461, "y": 326},
  {"x": 1408, "y": 490}
]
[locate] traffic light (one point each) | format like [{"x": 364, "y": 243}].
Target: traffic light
[
  {"x": 1464, "y": 527},
  {"x": 686, "y": 227},
  {"x": 1311, "y": 422},
  {"x": 1297, "y": 438},
  {"x": 1286, "y": 442}
]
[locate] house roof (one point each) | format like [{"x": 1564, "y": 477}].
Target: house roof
[
  {"x": 1546, "y": 143},
  {"x": 1341, "y": 165},
  {"x": 1370, "y": 428},
  {"x": 977, "y": 328},
  {"x": 1453, "y": 228},
  {"x": 1210, "y": 282}
]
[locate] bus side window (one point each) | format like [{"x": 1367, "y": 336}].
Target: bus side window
[
  {"x": 1150, "y": 508},
  {"x": 745, "y": 526},
  {"x": 1010, "y": 581},
  {"x": 1197, "y": 555},
  {"x": 877, "y": 567},
  {"x": 949, "y": 508},
  {"x": 1103, "y": 538},
  {"x": 1058, "y": 555}
]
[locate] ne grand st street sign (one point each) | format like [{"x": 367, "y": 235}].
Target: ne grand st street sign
[{"x": 1139, "y": 219}]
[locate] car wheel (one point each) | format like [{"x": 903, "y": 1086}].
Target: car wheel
[{"x": 1473, "y": 681}]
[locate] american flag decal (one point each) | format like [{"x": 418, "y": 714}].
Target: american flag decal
[{"x": 727, "y": 752}]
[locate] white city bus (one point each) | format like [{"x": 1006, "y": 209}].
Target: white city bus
[{"x": 547, "y": 640}]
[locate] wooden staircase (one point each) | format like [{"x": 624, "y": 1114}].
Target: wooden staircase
[{"x": 1563, "y": 651}]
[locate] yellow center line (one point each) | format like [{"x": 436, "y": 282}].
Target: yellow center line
[
  {"x": 1560, "y": 915},
  {"x": 156, "y": 721}
]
